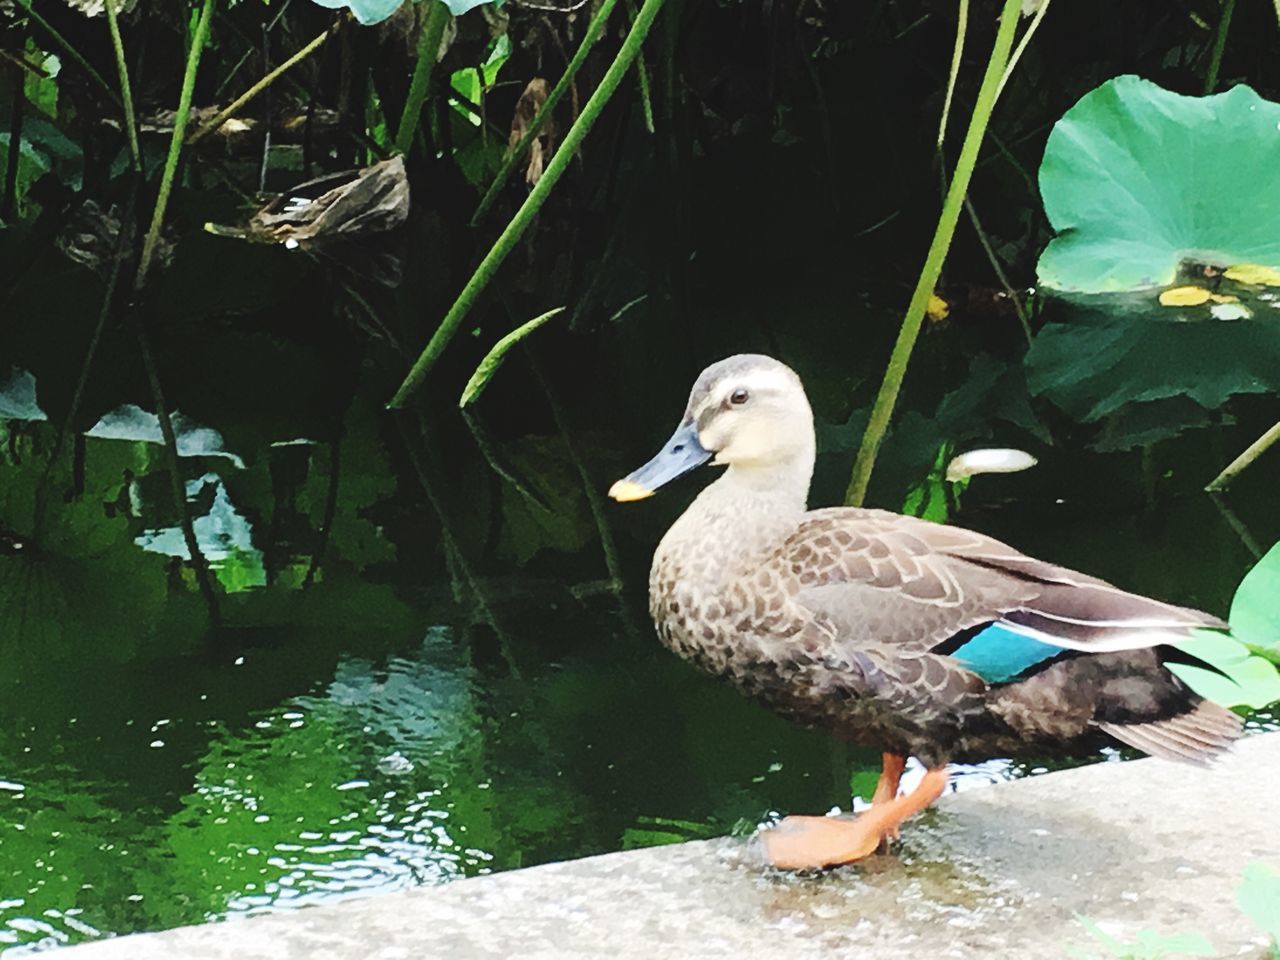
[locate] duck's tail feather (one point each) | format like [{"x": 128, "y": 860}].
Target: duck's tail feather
[{"x": 1199, "y": 736}]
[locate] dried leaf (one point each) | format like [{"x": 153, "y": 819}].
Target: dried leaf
[
  {"x": 527, "y": 107},
  {"x": 345, "y": 205}
]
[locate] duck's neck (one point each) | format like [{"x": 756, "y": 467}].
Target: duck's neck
[{"x": 743, "y": 515}]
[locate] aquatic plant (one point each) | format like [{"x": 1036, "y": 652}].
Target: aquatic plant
[
  {"x": 1137, "y": 179},
  {"x": 1248, "y": 659}
]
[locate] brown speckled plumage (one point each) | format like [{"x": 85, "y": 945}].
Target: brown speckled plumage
[{"x": 846, "y": 618}]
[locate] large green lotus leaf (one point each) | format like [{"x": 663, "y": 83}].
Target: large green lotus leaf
[
  {"x": 1136, "y": 178},
  {"x": 1101, "y": 360}
]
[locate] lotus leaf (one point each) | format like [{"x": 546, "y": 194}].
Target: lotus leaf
[
  {"x": 366, "y": 11},
  {"x": 1136, "y": 179},
  {"x": 375, "y": 11},
  {"x": 1108, "y": 359}
]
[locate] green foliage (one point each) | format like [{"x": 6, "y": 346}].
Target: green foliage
[
  {"x": 1155, "y": 370},
  {"x": 1136, "y": 178},
  {"x": 1255, "y": 610},
  {"x": 1259, "y": 897},
  {"x": 493, "y": 359},
  {"x": 1251, "y": 680},
  {"x": 1147, "y": 944},
  {"x": 42, "y": 90},
  {"x": 473, "y": 83}
]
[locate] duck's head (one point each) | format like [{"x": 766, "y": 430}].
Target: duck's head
[{"x": 748, "y": 412}]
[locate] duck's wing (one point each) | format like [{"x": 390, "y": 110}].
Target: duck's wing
[
  {"x": 935, "y": 618},
  {"x": 886, "y": 578}
]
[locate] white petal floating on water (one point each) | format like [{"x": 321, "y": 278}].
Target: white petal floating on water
[
  {"x": 129, "y": 422},
  {"x": 995, "y": 460},
  {"x": 1230, "y": 311},
  {"x": 18, "y": 396}
]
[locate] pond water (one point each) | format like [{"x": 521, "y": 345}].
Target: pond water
[{"x": 423, "y": 671}]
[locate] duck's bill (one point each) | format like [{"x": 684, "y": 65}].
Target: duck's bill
[{"x": 677, "y": 457}]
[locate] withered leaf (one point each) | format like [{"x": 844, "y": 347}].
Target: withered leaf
[
  {"x": 543, "y": 145},
  {"x": 342, "y": 205}
]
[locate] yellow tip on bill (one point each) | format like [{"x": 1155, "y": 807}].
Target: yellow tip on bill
[{"x": 625, "y": 490}]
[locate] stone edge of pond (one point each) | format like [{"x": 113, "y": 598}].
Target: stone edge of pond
[{"x": 1005, "y": 871}]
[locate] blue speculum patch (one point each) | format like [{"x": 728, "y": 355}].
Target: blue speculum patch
[{"x": 998, "y": 653}]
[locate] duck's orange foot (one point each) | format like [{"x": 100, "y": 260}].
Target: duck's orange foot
[{"x": 809, "y": 843}]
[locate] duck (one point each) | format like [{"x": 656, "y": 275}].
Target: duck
[{"x": 921, "y": 639}]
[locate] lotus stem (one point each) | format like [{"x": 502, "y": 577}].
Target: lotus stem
[
  {"x": 175, "y": 143},
  {"x": 176, "y": 487},
  {"x": 122, "y": 242},
  {"x": 994, "y": 260},
  {"x": 420, "y": 85},
  {"x": 887, "y": 396},
  {"x": 1219, "y": 44},
  {"x": 237, "y": 104},
  {"x": 957, "y": 52},
  {"x": 642, "y": 79},
  {"x": 589, "y": 38},
  {"x": 1237, "y": 466},
  {"x": 126, "y": 92},
  {"x": 533, "y": 203},
  {"x": 1022, "y": 45}
]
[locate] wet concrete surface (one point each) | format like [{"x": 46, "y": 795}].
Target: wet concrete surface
[{"x": 998, "y": 872}]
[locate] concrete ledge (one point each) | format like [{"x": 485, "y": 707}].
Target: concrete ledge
[{"x": 997, "y": 872}]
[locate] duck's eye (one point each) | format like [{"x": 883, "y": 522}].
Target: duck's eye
[{"x": 739, "y": 396}]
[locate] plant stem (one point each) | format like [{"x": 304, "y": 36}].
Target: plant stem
[
  {"x": 1022, "y": 46},
  {"x": 642, "y": 77},
  {"x": 1237, "y": 466},
  {"x": 589, "y": 38},
  {"x": 420, "y": 86},
  {"x": 175, "y": 143},
  {"x": 910, "y": 330},
  {"x": 176, "y": 486},
  {"x": 533, "y": 203},
  {"x": 126, "y": 93},
  {"x": 957, "y": 52},
  {"x": 234, "y": 107},
  {"x": 1009, "y": 292},
  {"x": 122, "y": 243},
  {"x": 9, "y": 203},
  {"x": 1219, "y": 44},
  {"x": 590, "y": 488},
  {"x": 73, "y": 53}
]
